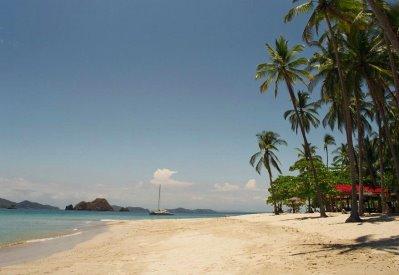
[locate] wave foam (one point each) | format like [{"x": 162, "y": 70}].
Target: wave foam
[{"x": 52, "y": 238}]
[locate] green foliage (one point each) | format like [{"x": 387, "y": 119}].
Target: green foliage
[{"x": 300, "y": 186}]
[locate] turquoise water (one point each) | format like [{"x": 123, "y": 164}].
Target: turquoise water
[{"x": 22, "y": 225}]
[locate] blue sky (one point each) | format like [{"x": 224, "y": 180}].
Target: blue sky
[{"x": 97, "y": 96}]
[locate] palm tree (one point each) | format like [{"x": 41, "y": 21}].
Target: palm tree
[
  {"x": 368, "y": 57},
  {"x": 380, "y": 141},
  {"x": 301, "y": 159},
  {"x": 307, "y": 112},
  {"x": 326, "y": 72},
  {"x": 328, "y": 140},
  {"x": 302, "y": 155},
  {"x": 268, "y": 143},
  {"x": 384, "y": 22},
  {"x": 328, "y": 11},
  {"x": 341, "y": 158},
  {"x": 371, "y": 156},
  {"x": 284, "y": 66}
]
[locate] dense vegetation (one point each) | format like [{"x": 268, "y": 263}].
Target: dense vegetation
[{"x": 354, "y": 66}]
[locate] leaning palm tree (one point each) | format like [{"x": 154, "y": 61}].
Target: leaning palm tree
[
  {"x": 285, "y": 66},
  {"x": 307, "y": 112},
  {"x": 329, "y": 11},
  {"x": 268, "y": 143},
  {"x": 328, "y": 140}
]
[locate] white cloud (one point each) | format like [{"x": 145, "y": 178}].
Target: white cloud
[
  {"x": 226, "y": 187},
  {"x": 164, "y": 177},
  {"x": 251, "y": 185}
]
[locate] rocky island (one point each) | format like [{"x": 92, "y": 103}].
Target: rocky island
[{"x": 99, "y": 204}]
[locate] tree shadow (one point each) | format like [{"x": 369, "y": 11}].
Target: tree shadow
[
  {"x": 373, "y": 218},
  {"x": 378, "y": 218},
  {"x": 303, "y": 218},
  {"x": 390, "y": 245}
]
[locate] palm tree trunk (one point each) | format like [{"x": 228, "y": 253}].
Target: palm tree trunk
[
  {"x": 360, "y": 136},
  {"x": 327, "y": 157},
  {"x": 394, "y": 69},
  {"x": 385, "y": 25},
  {"x": 308, "y": 155},
  {"x": 276, "y": 212},
  {"x": 354, "y": 216},
  {"x": 381, "y": 159}
]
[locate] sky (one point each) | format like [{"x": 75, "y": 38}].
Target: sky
[{"x": 111, "y": 98}]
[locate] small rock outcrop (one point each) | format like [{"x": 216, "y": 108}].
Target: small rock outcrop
[
  {"x": 124, "y": 209},
  {"x": 69, "y": 207},
  {"x": 98, "y": 204}
]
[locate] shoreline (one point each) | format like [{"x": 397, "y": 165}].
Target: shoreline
[
  {"x": 254, "y": 243},
  {"x": 94, "y": 219},
  {"x": 34, "y": 249}
]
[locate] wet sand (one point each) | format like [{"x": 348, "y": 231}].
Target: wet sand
[{"x": 248, "y": 244}]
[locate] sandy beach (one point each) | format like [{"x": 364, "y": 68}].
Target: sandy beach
[{"x": 248, "y": 244}]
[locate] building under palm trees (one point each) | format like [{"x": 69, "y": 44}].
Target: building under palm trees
[{"x": 340, "y": 200}]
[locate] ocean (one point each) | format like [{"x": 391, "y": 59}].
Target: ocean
[{"x": 17, "y": 225}]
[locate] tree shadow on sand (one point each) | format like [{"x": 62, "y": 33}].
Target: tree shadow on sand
[
  {"x": 390, "y": 245},
  {"x": 302, "y": 218},
  {"x": 373, "y": 218},
  {"x": 379, "y": 218}
]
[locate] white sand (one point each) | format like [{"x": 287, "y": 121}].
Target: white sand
[{"x": 250, "y": 244}]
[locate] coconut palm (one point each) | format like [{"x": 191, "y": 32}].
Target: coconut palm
[
  {"x": 367, "y": 56},
  {"x": 266, "y": 157},
  {"x": 379, "y": 10},
  {"x": 326, "y": 73},
  {"x": 285, "y": 66},
  {"x": 328, "y": 140},
  {"x": 341, "y": 158},
  {"x": 363, "y": 111},
  {"x": 329, "y": 11},
  {"x": 307, "y": 112},
  {"x": 302, "y": 155}
]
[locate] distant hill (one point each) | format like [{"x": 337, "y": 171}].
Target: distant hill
[
  {"x": 34, "y": 205},
  {"x": 138, "y": 209},
  {"x": 181, "y": 210},
  {"x": 131, "y": 209},
  {"x": 6, "y": 203},
  {"x": 25, "y": 205}
]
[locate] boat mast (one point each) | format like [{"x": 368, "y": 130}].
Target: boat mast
[{"x": 159, "y": 196}]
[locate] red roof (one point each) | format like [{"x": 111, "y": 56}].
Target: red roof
[{"x": 346, "y": 189}]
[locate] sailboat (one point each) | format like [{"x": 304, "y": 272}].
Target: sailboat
[{"x": 159, "y": 211}]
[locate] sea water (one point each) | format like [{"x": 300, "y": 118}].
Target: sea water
[{"x": 17, "y": 225}]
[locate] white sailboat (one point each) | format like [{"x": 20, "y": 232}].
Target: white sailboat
[{"x": 160, "y": 211}]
